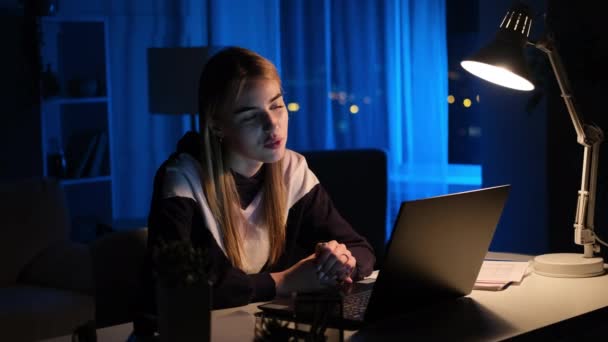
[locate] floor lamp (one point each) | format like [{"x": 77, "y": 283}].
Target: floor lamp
[
  {"x": 173, "y": 75},
  {"x": 503, "y": 62}
]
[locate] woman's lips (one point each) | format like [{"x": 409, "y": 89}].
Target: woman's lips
[{"x": 273, "y": 144}]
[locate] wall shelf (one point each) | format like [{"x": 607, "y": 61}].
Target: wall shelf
[
  {"x": 76, "y": 181},
  {"x": 76, "y": 100},
  {"x": 76, "y": 121}
]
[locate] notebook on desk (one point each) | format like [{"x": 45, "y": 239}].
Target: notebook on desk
[{"x": 435, "y": 252}]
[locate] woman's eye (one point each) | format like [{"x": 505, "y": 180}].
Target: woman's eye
[
  {"x": 277, "y": 106},
  {"x": 249, "y": 118}
]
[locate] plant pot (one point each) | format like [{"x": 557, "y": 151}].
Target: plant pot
[{"x": 184, "y": 314}]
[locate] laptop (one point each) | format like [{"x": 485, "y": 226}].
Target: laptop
[{"x": 434, "y": 254}]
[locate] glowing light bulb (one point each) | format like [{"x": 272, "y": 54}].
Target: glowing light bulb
[{"x": 293, "y": 107}]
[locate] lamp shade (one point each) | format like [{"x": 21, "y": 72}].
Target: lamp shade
[
  {"x": 502, "y": 61},
  {"x": 173, "y": 75}
]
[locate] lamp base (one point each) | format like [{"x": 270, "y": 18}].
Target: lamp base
[{"x": 568, "y": 265}]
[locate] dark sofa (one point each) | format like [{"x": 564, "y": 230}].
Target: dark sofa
[{"x": 46, "y": 286}]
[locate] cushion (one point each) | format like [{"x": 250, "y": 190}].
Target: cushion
[
  {"x": 65, "y": 265},
  {"x": 30, "y": 313}
]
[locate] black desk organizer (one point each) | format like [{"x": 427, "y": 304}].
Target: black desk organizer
[{"x": 312, "y": 316}]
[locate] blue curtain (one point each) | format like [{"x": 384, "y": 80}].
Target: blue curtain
[
  {"x": 371, "y": 74},
  {"x": 368, "y": 73},
  {"x": 334, "y": 69},
  {"x": 417, "y": 108}
]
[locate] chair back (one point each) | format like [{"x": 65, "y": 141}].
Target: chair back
[{"x": 357, "y": 182}]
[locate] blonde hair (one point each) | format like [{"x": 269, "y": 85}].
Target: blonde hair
[{"x": 222, "y": 80}]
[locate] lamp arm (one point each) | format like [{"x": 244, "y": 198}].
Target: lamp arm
[
  {"x": 590, "y": 137},
  {"x": 546, "y": 45},
  {"x": 590, "y": 215},
  {"x": 585, "y": 207}
]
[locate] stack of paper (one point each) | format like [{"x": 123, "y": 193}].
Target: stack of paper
[{"x": 496, "y": 275}]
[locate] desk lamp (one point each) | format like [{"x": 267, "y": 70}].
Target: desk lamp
[{"x": 503, "y": 62}]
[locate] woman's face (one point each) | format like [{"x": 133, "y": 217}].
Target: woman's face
[{"x": 256, "y": 131}]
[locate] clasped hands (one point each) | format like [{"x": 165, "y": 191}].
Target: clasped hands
[
  {"x": 334, "y": 263},
  {"x": 330, "y": 265}
]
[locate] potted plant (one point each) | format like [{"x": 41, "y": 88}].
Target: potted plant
[{"x": 183, "y": 292}]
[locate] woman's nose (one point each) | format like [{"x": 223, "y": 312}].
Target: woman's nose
[{"x": 270, "y": 121}]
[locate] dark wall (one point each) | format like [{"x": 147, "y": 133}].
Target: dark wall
[
  {"x": 580, "y": 32},
  {"x": 528, "y": 138},
  {"x": 20, "y": 143},
  {"x": 513, "y": 150},
  {"x": 9, "y": 4},
  {"x": 536, "y": 150}
]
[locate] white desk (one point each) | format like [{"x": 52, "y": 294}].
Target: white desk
[
  {"x": 234, "y": 324},
  {"x": 536, "y": 303},
  {"x": 483, "y": 315}
]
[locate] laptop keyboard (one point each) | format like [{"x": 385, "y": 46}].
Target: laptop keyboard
[{"x": 355, "y": 304}]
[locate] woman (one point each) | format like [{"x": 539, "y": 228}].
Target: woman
[{"x": 268, "y": 225}]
